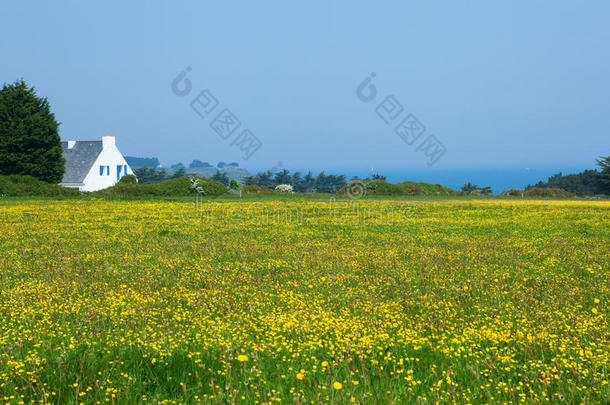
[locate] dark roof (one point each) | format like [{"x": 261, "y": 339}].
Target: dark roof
[{"x": 79, "y": 159}]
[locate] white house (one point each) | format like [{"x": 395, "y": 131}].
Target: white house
[{"x": 93, "y": 165}]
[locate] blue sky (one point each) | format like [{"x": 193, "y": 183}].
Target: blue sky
[{"x": 519, "y": 84}]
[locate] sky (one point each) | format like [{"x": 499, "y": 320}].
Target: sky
[{"x": 491, "y": 85}]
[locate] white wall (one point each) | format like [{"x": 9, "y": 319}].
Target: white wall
[{"x": 110, "y": 156}]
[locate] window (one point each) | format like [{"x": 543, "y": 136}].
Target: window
[
  {"x": 118, "y": 172},
  {"x": 108, "y": 170},
  {"x": 101, "y": 170}
]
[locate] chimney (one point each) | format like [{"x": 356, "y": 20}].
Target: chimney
[{"x": 108, "y": 141}]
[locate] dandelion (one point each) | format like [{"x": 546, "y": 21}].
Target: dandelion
[
  {"x": 242, "y": 358},
  {"x": 337, "y": 385}
]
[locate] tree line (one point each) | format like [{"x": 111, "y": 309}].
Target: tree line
[
  {"x": 301, "y": 183},
  {"x": 586, "y": 183}
]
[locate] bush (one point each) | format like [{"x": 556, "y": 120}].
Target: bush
[
  {"x": 513, "y": 192},
  {"x": 128, "y": 179},
  {"x": 547, "y": 192},
  {"x": 381, "y": 187},
  {"x": 375, "y": 187},
  {"x": 234, "y": 184},
  {"x": 254, "y": 189},
  {"x": 413, "y": 188},
  {"x": 15, "y": 185},
  {"x": 410, "y": 188},
  {"x": 284, "y": 188},
  {"x": 174, "y": 187}
]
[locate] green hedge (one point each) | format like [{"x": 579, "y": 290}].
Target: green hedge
[
  {"x": 254, "y": 189},
  {"x": 413, "y": 188},
  {"x": 15, "y": 185},
  {"x": 547, "y": 192},
  {"x": 381, "y": 187},
  {"x": 174, "y": 187}
]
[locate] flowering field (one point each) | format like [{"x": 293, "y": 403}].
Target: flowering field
[{"x": 466, "y": 301}]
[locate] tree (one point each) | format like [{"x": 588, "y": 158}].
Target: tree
[
  {"x": 234, "y": 185},
  {"x": 29, "y": 137},
  {"x": 180, "y": 171},
  {"x": 473, "y": 189},
  {"x": 589, "y": 182},
  {"x": 604, "y": 176},
  {"x": 282, "y": 177},
  {"x": 148, "y": 175},
  {"x": 221, "y": 177},
  {"x": 198, "y": 163}
]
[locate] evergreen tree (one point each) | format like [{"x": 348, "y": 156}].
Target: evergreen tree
[
  {"x": 221, "y": 177},
  {"x": 29, "y": 137},
  {"x": 198, "y": 163},
  {"x": 179, "y": 172},
  {"x": 604, "y": 176},
  {"x": 147, "y": 175}
]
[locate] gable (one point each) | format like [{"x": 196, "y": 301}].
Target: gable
[{"x": 79, "y": 159}]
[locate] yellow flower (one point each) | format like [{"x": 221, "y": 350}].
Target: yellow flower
[
  {"x": 596, "y": 300},
  {"x": 594, "y": 310},
  {"x": 300, "y": 376},
  {"x": 324, "y": 364},
  {"x": 337, "y": 385},
  {"x": 242, "y": 357}
]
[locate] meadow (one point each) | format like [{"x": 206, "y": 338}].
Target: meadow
[{"x": 304, "y": 301}]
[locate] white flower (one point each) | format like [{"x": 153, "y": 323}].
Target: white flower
[
  {"x": 284, "y": 188},
  {"x": 195, "y": 185}
]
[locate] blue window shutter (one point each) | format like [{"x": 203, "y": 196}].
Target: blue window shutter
[
  {"x": 125, "y": 167},
  {"x": 118, "y": 172},
  {"x": 101, "y": 170},
  {"x": 108, "y": 170}
]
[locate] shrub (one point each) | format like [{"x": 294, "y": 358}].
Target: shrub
[
  {"x": 15, "y": 185},
  {"x": 381, "y": 187},
  {"x": 410, "y": 187},
  {"x": 234, "y": 184},
  {"x": 254, "y": 189},
  {"x": 284, "y": 188},
  {"x": 547, "y": 192},
  {"x": 513, "y": 192},
  {"x": 413, "y": 188},
  {"x": 182, "y": 186},
  {"x": 128, "y": 179}
]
